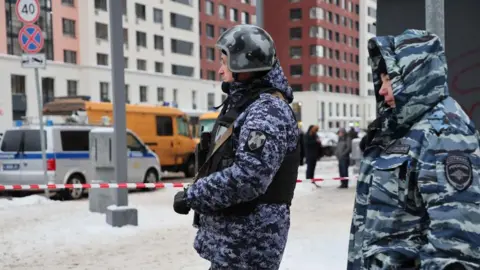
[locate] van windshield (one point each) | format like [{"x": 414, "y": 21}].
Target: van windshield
[
  {"x": 207, "y": 125},
  {"x": 12, "y": 140}
]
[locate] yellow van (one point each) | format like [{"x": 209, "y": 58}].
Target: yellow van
[{"x": 164, "y": 129}]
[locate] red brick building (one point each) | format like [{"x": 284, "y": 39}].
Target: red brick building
[
  {"x": 317, "y": 42},
  {"x": 215, "y": 17}
]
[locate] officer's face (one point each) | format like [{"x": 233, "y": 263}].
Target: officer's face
[
  {"x": 386, "y": 90},
  {"x": 226, "y": 74}
]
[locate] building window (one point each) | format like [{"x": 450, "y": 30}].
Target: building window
[
  {"x": 316, "y": 32},
  {"x": 141, "y": 64},
  {"x": 372, "y": 12},
  {"x": 18, "y": 84},
  {"x": 245, "y": 18},
  {"x": 125, "y": 62},
  {"x": 125, "y": 37},
  {"x": 143, "y": 93},
  {"x": 182, "y": 70},
  {"x": 233, "y": 15},
  {"x": 194, "y": 99},
  {"x": 104, "y": 93},
  {"x": 101, "y": 4},
  {"x": 157, "y": 15},
  {"x": 72, "y": 88},
  {"x": 185, "y": 2},
  {"x": 209, "y": 8},
  {"x": 221, "y": 30},
  {"x": 175, "y": 96},
  {"x": 181, "y": 47},
  {"x": 158, "y": 42},
  {"x": 372, "y": 28},
  {"x": 127, "y": 93},
  {"x": 296, "y": 52},
  {"x": 68, "y": 27},
  {"x": 296, "y": 33},
  {"x": 211, "y": 54},
  {"x": 211, "y": 75},
  {"x": 296, "y": 70},
  {"x": 317, "y": 70},
  {"x": 141, "y": 39},
  {"x": 297, "y": 87},
  {"x": 70, "y": 3},
  {"x": 316, "y": 13},
  {"x": 48, "y": 89},
  {"x": 140, "y": 11},
  {"x": 101, "y": 31},
  {"x": 210, "y": 100},
  {"x": 295, "y": 14},
  {"x": 222, "y": 12},
  {"x": 160, "y": 94},
  {"x": 316, "y": 51},
  {"x": 102, "y": 59},
  {"x": 319, "y": 87},
  {"x": 69, "y": 56},
  {"x": 210, "y": 30},
  {"x": 181, "y": 21},
  {"x": 159, "y": 67}
]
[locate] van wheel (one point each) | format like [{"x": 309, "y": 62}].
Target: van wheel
[
  {"x": 151, "y": 177},
  {"x": 74, "y": 193},
  {"x": 189, "y": 168}
]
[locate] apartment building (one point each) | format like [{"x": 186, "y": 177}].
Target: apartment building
[
  {"x": 216, "y": 16},
  {"x": 161, "y": 52},
  {"x": 318, "y": 45}
]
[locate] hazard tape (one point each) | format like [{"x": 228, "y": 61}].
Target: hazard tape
[{"x": 129, "y": 185}]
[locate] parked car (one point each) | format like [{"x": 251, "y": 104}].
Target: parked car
[{"x": 329, "y": 141}]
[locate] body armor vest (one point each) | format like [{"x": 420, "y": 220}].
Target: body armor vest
[{"x": 282, "y": 187}]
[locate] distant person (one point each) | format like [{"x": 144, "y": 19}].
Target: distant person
[
  {"x": 352, "y": 133},
  {"x": 342, "y": 152},
  {"x": 302, "y": 145},
  {"x": 312, "y": 145}
]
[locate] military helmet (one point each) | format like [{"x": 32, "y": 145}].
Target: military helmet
[{"x": 249, "y": 48}]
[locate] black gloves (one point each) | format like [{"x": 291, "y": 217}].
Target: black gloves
[{"x": 180, "y": 203}]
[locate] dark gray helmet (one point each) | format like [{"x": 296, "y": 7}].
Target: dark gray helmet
[{"x": 249, "y": 48}]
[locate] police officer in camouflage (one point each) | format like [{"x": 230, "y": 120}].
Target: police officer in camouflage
[
  {"x": 418, "y": 194},
  {"x": 243, "y": 191}
]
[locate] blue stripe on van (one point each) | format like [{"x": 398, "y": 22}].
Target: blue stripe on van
[{"x": 61, "y": 155}]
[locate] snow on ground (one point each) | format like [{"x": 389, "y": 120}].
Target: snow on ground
[{"x": 40, "y": 234}]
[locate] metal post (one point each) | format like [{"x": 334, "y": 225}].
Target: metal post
[
  {"x": 259, "y": 13},
  {"x": 435, "y": 18},
  {"x": 118, "y": 89},
  {"x": 42, "y": 130}
]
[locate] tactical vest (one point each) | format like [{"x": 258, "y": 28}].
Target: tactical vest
[{"x": 282, "y": 187}]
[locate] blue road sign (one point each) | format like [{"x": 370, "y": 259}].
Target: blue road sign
[{"x": 30, "y": 38}]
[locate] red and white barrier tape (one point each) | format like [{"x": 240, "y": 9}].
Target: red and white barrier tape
[{"x": 129, "y": 185}]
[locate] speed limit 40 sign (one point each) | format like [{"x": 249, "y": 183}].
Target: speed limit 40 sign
[{"x": 28, "y": 11}]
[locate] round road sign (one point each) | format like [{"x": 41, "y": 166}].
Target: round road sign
[
  {"x": 28, "y": 11},
  {"x": 30, "y": 38}
]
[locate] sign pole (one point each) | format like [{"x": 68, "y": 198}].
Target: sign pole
[
  {"x": 118, "y": 89},
  {"x": 42, "y": 130},
  {"x": 435, "y": 18},
  {"x": 31, "y": 41}
]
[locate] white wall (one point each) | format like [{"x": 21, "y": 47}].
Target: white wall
[
  {"x": 89, "y": 79},
  {"x": 368, "y": 110},
  {"x": 312, "y": 109}
]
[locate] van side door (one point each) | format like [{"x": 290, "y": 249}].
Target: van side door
[
  {"x": 183, "y": 141},
  {"x": 135, "y": 153},
  {"x": 11, "y": 157}
]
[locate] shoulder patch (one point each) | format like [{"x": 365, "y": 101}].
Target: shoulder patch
[
  {"x": 256, "y": 140},
  {"x": 458, "y": 171}
]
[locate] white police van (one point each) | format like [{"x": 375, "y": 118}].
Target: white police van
[{"x": 67, "y": 154}]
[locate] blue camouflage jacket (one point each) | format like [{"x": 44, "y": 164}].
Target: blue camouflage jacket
[
  {"x": 418, "y": 194},
  {"x": 256, "y": 241}
]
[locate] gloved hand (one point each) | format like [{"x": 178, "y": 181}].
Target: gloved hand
[{"x": 180, "y": 203}]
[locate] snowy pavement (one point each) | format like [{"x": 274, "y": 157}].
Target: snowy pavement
[{"x": 42, "y": 234}]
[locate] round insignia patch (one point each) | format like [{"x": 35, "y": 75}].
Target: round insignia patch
[
  {"x": 256, "y": 139},
  {"x": 458, "y": 171}
]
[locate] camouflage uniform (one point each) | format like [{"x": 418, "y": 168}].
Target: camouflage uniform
[
  {"x": 418, "y": 194},
  {"x": 257, "y": 240}
]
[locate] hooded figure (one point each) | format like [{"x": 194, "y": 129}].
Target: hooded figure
[
  {"x": 418, "y": 193},
  {"x": 243, "y": 196}
]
